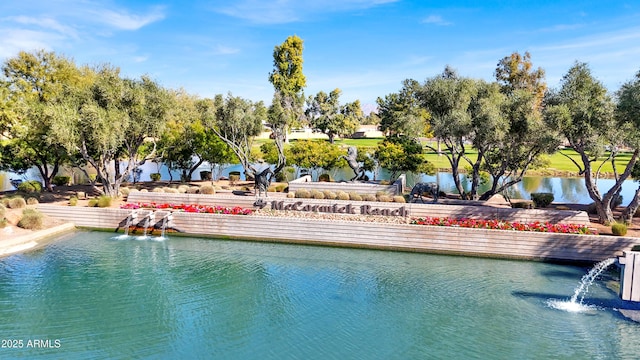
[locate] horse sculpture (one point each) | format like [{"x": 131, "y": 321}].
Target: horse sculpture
[
  {"x": 262, "y": 182},
  {"x": 352, "y": 154},
  {"x": 420, "y": 189}
]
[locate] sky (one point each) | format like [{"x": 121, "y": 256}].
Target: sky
[{"x": 366, "y": 48}]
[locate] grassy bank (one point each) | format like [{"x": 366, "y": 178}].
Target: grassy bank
[{"x": 557, "y": 164}]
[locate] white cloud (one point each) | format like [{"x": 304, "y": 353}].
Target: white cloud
[
  {"x": 16, "y": 40},
  {"x": 45, "y": 23},
  {"x": 287, "y": 11},
  {"x": 124, "y": 21},
  {"x": 436, "y": 20},
  {"x": 225, "y": 50}
]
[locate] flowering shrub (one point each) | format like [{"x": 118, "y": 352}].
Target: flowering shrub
[
  {"x": 505, "y": 225},
  {"x": 190, "y": 208}
]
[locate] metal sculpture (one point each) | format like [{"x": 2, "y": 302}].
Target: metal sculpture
[
  {"x": 352, "y": 154},
  {"x": 420, "y": 189},
  {"x": 262, "y": 182}
]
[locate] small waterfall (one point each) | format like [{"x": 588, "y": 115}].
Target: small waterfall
[
  {"x": 575, "y": 303},
  {"x": 147, "y": 222},
  {"x": 130, "y": 219},
  {"x": 165, "y": 222}
]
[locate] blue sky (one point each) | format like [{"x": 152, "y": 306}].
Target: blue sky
[{"x": 364, "y": 47}]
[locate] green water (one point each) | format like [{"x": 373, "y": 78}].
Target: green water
[{"x": 187, "y": 298}]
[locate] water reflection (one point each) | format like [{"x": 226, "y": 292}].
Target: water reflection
[{"x": 565, "y": 190}]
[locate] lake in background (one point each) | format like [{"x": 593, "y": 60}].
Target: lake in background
[{"x": 565, "y": 190}]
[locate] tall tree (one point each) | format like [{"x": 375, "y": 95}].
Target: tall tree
[
  {"x": 628, "y": 116},
  {"x": 515, "y": 72},
  {"x": 448, "y": 98},
  {"x": 187, "y": 142},
  {"x": 515, "y": 142},
  {"x": 38, "y": 82},
  {"x": 288, "y": 82},
  {"x": 113, "y": 119},
  {"x": 402, "y": 113},
  {"x": 582, "y": 112},
  {"x": 237, "y": 122}
]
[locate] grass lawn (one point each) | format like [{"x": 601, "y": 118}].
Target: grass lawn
[{"x": 558, "y": 162}]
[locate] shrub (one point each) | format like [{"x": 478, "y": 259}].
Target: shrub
[
  {"x": 399, "y": 199},
  {"x": 73, "y": 201},
  {"x": 169, "y": 190},
  {"x": 3, "y": 222},
  {"x": 207, "y": 189},
  {"x": 182, "y": 189},
  {"x": 385, "y": 198},
  {"x": 324, "y": 178},
  {"x": 31, "y": 219},
  {"x": 281, "y": 187},
  {"x": 291, "y": 195},
  {"x": 369, "y": 197},
  {"x": 5, "y": 201},
  {"x": 303, "y": 194},
  {"x": 521, "y": 205},
  {"x": 328, "y": 194},
  {"x": 193, "y": 190},
  {"x": 17, "y": 203},
  {"x": 32, "y": 201},
  {"x": 234, "y": 177},
  {"x": 125, "y": 191},
  {"x": 155, "y": 176},
  {"x": 81, "y": 195},
  {"x": 619, "y": 229},
  {"x": 3, "y": 210},
  {"x": 271, "y": 188},
  {"x": 341, "y": 195},
  {"x": 158, "y": 190},
  {"x": 104, "y": 201},
  {"x": 144, "y": 190},
  {"x": 93, "y": 203},
  {"x": 61, "y": 180},
  {"x": 354, "y": 196},
  {"x": 31, "y": 186},
  {"x": 316, "y": 194},
  {"x": 542, "y": 200}
]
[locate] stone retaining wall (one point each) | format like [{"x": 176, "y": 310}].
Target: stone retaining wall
[
  {"x": 404, "y": 237},
  {"x": 358, "y": 187},
  {"x": 413, "y": 209}
]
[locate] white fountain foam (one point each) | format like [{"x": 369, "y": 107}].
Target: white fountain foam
[{"x": 575, "y": 303}]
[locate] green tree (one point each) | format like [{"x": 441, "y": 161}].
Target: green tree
[
  {"x": 237, "y": 122},
  {"x": 448, "y": 99},
  {"x": 326, "y": 115},
  {"x": 35, "y": 84},
  {"x": 583, "y": 113},
  {"x": 314, "y": 155},
  {"x": 187, "y": 142},
  {"x": 402, "y": 113},
  {"x": 628, "y": 115},
  {"x": 114, "y": 119},
  {"x": 401, "y": 153},
  {"x": 288, "y": 82},
  {"x": 510, "y": 133},
  {"x": 515, "y": 73}
]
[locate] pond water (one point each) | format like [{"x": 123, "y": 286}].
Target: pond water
[
  {"x": 185, "y": 298},
  {"x": 565, "y": 190}
]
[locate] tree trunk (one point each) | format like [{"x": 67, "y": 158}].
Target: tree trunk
[{"x": 630, "y": 210}]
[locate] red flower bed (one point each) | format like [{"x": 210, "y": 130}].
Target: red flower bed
[
  {"x": 505, "y": 225},
  {"x": 189, "y": 208}
]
